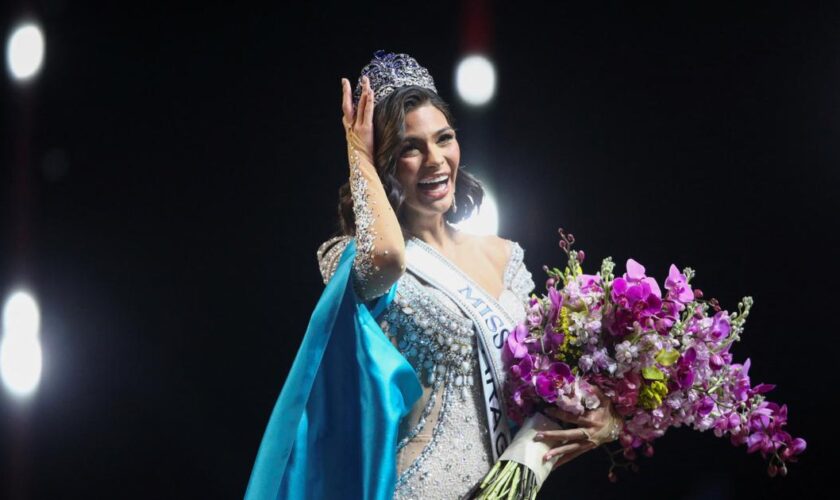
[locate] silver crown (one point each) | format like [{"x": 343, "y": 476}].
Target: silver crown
[{"x": 388, "y": 71}]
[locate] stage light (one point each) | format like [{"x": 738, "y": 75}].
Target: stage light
[
  {"x": 20, "y": 347},
  {"x": 25, "y": 52},
  {"x": 475, "y": 80},
  {"x": 21, "y": 315},
  {"x": 483, "y": 221},
  {"x": 20, "y": 364}
]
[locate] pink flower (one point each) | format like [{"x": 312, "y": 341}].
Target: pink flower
[
  {"x": 636, "y": 274},
  {"x": 589, "y": 283},
  {"x": 691, "y": 365},
  {"x": 534, "y": 313},
  {"x": 716, "y": 362},
  {"x": 741, "y": 388},
  {"x": 523, "y": 369},
  {"x": 677, "y": 287},
  {"x": 624, "y": 392},
  {"x": 635, "y": 303},
  {"x": 797, "y": 446},
  {"x": 667, "y": 316},
  {"x": 706, "y": 406},
  {"x": 515, "y": 347},
  {"x": 556, "y": 301},
  {"x": 549, "y": 382},
  {"x": 720, "y": 326},
  {"x": 684, "y": 370}
]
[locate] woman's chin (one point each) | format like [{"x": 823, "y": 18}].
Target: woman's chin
[{"x": 431, "y": 208}]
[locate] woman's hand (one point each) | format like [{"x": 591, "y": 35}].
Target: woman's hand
[
  {"x": 380, "y": 247},
  {"x": 594, "y": 428},
  {"x": 358, "y": 122}
]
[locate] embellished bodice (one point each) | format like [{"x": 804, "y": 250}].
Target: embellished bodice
[
  {"x": 435, "y": 335},
  {"x": 444, "y": 448},
  {"x": 444, "y": 443}
]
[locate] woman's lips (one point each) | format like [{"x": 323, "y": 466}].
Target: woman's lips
[{"x": 440, "y": 191}]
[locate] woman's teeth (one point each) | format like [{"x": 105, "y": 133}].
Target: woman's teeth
[
  {"x": 434, "y": 180},
  {"x": 435, "y": 186}
]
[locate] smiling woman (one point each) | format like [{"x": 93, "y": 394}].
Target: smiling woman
[
  {"x": 409, "y": 126},
  {"x": 395, "y": 391},
  {"x": 439, "y": 146}
]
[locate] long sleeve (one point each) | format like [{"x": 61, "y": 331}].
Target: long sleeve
[{"x": 380, "y": 247}]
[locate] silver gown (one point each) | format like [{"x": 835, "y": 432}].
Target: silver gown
[{"x": 444, "y": 448}]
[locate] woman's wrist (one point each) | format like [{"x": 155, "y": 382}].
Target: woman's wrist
[
  {"x": 357, "y": 153},
  {"x": 611, "y": 431}
]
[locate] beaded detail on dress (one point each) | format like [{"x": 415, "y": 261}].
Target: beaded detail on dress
[
  {"x": 440, "y": 343},
  {"x": 329, "y": 253},
  {"x": 365, "y": 235}
]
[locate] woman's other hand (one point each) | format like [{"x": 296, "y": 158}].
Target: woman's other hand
[
  {"x": 358, "y": 121},
  {"x": 594, "y": 428}
]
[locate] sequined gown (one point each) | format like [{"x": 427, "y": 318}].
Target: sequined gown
[{"x": 444, "y": 448}]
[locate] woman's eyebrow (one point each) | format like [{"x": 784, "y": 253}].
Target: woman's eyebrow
[{"x": 417, "y": 138}]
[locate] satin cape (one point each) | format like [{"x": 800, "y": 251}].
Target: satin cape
[{"x": 333, "y": 431}]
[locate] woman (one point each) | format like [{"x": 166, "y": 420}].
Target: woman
[{"x": 422, "y": 415}]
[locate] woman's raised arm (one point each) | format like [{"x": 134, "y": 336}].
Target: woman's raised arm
[{"x": 380, "y": 248}]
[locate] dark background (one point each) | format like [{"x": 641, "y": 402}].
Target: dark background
[{"x": 168, "y": 177}]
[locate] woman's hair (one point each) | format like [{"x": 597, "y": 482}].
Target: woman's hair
[{"x": 389, "y": 132}]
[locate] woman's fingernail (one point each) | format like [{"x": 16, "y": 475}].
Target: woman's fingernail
[{"x": 539, "y": 435}]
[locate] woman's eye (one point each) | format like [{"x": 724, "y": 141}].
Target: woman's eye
[
  {"x": 445, "y": 138},
  {"x": 407, "y": 149}
]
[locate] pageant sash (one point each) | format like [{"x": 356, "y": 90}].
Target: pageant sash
[{"x": 492, "y": 322}]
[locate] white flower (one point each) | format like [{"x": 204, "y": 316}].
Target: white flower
[{"x": 626, "y": 352}]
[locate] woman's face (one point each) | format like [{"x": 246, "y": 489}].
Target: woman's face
[{"x": 427, "y": 162}]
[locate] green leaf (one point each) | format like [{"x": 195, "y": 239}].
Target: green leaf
[
  {"x": 667, "y": 358},
  {"x": 652, "y": 373}
]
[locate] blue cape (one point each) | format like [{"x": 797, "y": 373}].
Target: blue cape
[{"x": 333, "y": 431}]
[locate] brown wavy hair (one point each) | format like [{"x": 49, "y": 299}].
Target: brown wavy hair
[{"x": 389, "y": 132}]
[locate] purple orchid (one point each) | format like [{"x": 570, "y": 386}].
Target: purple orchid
[
  {"x": 678, "y": 289},
  {"x": 549, "y": 382},
  {"x": 720, "y": 326},
  {"x": 624, "y": 343},
  {"x": 523, "y": 369},
  {"x": 515, "y": 347}
]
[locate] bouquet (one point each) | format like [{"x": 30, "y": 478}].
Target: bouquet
[{"x": 662, "y": 358}]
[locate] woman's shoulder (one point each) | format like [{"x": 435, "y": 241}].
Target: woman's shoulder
[{"x": 329, "y": 254}]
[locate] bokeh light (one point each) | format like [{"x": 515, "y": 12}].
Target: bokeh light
[
  {"x": 475, "y": 79},
  {"x": 20, "y": 364},
  {"x": 21, "y": 359},
  {"x": 485, "y": 220},
  {"x": 25, "y": 52}
]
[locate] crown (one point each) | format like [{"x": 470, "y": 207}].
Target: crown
[{"x": 388, "y": 71}]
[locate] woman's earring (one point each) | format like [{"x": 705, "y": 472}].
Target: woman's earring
[{"x": 454, "y": 204}]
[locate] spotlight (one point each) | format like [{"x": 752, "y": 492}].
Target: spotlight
[
  {"x": 20, "y": 364},
  {"x": 475, "y": 80},
  {"x": 20, "y": 347},
  {"x": 25, "y": 52},
  {"x": 485, "y": 220}
]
